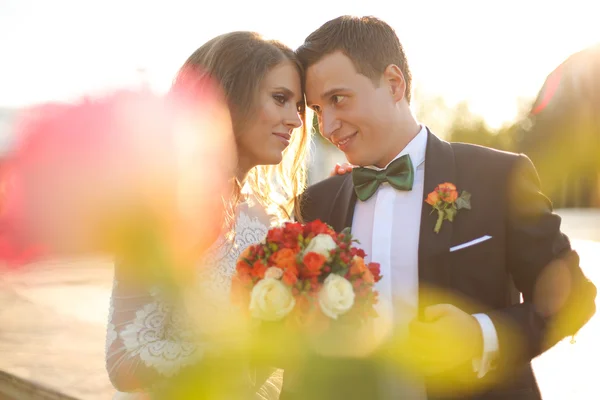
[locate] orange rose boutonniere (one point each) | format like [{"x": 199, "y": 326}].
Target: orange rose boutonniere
[{"x": 447, "y": 202}]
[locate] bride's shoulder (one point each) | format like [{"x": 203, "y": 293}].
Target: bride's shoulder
[{"x": 251, "y": 212}]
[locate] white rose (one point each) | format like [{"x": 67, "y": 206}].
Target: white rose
[
  {"x": 274, "y": 272},
  {"x": 321, "y": 244},
  {"x": 336, "y": 296},
  {"x": 271, "y": 300}
]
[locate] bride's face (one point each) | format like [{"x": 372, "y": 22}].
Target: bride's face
[{"x": 269, "y": 130}]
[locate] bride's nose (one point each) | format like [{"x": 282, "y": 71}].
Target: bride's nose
[{"x": 292, "y": 120}]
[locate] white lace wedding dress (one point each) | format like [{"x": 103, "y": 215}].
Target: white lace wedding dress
[{"x": 149, "y": 340}]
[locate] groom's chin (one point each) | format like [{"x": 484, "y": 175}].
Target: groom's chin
[{"x": 356, "y": 159}]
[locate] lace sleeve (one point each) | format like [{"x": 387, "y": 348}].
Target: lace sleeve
[
  {"x": 147, "y": 340},
  {"x": 151, "y": 340}
]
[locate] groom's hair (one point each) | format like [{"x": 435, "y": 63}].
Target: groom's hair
[{"x": 370, "y": 43}]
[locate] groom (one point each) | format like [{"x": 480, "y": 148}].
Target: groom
[{"x": 454, "y": 294}]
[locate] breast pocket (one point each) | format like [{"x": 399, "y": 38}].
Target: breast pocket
[
  {"x": 477, "y": 267},
  {"x": 470, "y": 243}
]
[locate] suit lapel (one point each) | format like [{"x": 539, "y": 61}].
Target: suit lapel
[
  {"x": 343, "y": 206},
  {"x": 434, "y": 247}
]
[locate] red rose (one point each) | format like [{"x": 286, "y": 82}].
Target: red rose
[
  {"x": 357, "y": 252},
  {"x": 258, "y": 269},
  {"x": 317, "y": 227},
  {"x": 275, "y": 235},
  {"x": 375, "y": 269}
]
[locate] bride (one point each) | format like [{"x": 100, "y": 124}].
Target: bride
[{"x": 151, "y": 346}]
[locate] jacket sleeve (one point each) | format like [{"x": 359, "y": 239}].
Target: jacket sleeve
[{"x": 557, "y": 298}]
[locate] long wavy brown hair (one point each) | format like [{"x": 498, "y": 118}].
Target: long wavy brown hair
[{"x": 238, "y": 62}]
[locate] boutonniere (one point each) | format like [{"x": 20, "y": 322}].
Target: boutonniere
[{"x": 447, "y": 202}]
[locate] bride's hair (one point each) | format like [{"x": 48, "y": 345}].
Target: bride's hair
[{"x": 238, "y": 62}]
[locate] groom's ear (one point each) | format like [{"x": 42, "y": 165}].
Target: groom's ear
[{"x": 393, "y": 78}]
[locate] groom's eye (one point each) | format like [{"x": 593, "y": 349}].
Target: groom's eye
[{"x": 337, "y": 99}]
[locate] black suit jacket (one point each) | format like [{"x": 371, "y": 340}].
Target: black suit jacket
[{"x": 507, "y": 204}]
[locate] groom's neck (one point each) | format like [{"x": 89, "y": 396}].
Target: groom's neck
[{"x": 404, "y": 131}]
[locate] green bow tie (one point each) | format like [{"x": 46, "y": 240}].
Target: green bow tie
[{"x": 399, "y": 174}]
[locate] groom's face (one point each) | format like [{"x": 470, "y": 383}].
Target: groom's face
[{"x": 354, "y": 113}]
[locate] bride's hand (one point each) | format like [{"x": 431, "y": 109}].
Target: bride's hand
[{"x": 341, "y": 169}]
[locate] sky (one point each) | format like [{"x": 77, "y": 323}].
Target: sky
[{"x": 491, "y": 54}]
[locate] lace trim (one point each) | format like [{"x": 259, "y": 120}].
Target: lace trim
[{"x": 160, "y": 339}]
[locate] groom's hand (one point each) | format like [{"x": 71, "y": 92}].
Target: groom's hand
[
  {"x": 341, "y": 169},
  {"x": 444, "y": 339}
]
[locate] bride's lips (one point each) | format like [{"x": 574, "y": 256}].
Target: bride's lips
[
  {"x": 284, "y": 137},
  {"x": 344, "y": 143}
]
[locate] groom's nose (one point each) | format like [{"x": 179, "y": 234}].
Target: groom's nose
[{"x": 329, "y": 124}]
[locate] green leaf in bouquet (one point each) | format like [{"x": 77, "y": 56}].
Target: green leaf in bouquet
[
  {"x": 341, "y": 271},
  {"x": 247, "y": 261},
  {"x": 450, "y": 213},
  {"x": 307, "y": 285},
  {"x": 300, "y": 240},
  {"x": 464, "y": 201}
]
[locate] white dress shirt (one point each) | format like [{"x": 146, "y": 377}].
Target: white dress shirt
[{"x": 388, "y": 227}]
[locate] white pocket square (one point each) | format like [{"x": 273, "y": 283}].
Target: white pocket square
[{"x": 471, "y": 243}]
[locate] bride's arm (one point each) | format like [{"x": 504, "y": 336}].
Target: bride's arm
[{"x": 147, "y": 340}]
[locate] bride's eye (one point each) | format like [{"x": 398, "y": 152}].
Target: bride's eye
[{"x": 280, "y": 98}]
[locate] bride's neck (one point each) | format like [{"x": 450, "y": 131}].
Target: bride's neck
[
  {"x": 244, "y": 166},
  {"x": 241, "y": 174}
]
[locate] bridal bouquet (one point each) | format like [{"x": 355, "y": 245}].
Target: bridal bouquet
[{"x": 306, "y": 275}]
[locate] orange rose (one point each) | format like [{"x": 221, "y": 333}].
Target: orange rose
[
  {"x": 368, "y": 277},
  {"x": 357, "y": 267},
  {"x": 433, "y": 198},
  {"x": 284, "y": 258},
  {"x": 452, "y": 196},
  {"x": 243, "y": 268},
  {"x": 447, "y": 187},
  {"x": 290, "y": 276},
  {"x": 313, "y": 263},
  {"x": 307, "y": 318},
  {"x": 447, "y": 192}
]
